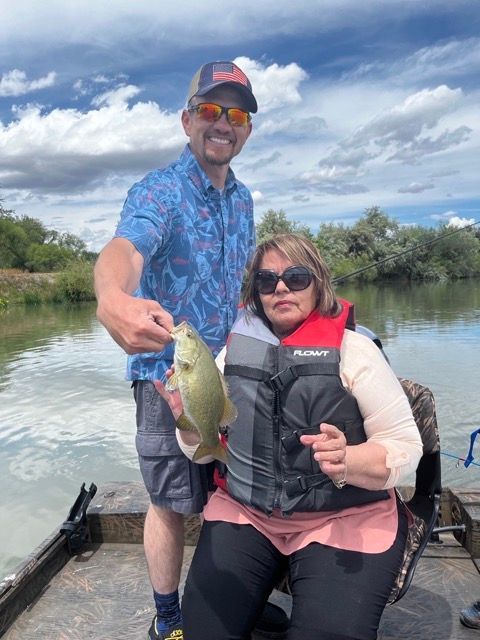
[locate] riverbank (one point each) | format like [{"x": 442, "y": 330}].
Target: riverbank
[
  {"x": 23, "y": 280},
  {"x": 17, "y": 286},
  {"x": 22, "y": 287}
]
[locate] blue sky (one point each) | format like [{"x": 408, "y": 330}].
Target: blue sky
[{"x": 360, "y": 104}]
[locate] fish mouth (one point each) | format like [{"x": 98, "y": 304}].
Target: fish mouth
[{"x": 176, "y": 329}]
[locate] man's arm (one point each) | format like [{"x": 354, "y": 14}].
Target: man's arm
[{"x": 137, "y": 325}]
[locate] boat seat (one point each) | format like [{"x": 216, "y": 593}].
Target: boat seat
[{"x": 424, "y": 504}]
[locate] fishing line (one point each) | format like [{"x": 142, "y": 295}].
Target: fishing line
[
  {"x": 402, "y": 253},
  {"x": 451, "y": 455},
  {"x": 469, "y": 459}
]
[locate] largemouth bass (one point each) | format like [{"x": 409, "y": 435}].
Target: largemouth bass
[{"x": 203, "y": 389}]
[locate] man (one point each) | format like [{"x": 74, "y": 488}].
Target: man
[{"x": 180, "y": 249}]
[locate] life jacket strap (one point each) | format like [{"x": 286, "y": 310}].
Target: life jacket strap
[
  {"x": 285, "y": 377},
  {"x": 246, "y": 372},
  {"x": 302, "y": 484}
]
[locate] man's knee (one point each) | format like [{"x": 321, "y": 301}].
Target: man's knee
[{"x": 164, "y": 517}]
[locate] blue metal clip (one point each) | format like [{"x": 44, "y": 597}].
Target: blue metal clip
[{"x": 469, "y": 458}]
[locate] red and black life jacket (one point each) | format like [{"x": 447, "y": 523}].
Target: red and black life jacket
[{"x": 284, "y": 389}]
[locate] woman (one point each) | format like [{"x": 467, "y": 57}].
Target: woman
[{"x": 324, "y": 433}]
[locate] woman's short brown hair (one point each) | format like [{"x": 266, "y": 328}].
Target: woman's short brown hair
[{"x": 299, "y": 251}]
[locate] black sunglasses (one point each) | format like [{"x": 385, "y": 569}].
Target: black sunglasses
[{"x": 296, "y": 279}]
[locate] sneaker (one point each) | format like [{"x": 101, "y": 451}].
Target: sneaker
[
  {"x": 470, "y": 616},
  {"x": 272, "y": 623},
  {"x": 175, "y": 633}
]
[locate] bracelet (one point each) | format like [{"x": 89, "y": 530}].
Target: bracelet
[{"x": 343, "y": 480}]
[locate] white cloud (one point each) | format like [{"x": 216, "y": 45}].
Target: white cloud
[
  {"x": 118, "y": 97},
  {"x": 90, "y": 22},
  {"x": 427, "y": 145},
  {"x": 15, "y": 83},
  {"x": 406, "y": 121},
  {"x": 395, "y": 134},
  {"x": 274, "y": 85},
  {"x": 455, "y": 221},
  {"x": 449, "y": 59},
  {"x": 295, "y": 127},
  {"x": 416, "y": 187},
  {"x": 258, "y": 197},
  {"x": 67, "y": 149}
]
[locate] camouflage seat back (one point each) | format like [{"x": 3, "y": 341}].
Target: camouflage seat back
[
  {"x": 417, "y": 539},
  {"x": 422, "y": 403},
  {"x": 424, "y": 505}
]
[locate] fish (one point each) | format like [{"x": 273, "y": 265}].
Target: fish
[{"x": 203, "y": 390}]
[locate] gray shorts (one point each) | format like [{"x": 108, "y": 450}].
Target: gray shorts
[{"x": 172, "y": 481}]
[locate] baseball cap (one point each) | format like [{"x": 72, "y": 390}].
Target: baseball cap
[{"x": 214, "y": 74}]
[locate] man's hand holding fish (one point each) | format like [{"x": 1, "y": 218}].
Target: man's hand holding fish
[{"x": 197, "y": 394}]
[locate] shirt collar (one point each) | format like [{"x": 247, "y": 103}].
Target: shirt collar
[{"x": 198, "y": 176}]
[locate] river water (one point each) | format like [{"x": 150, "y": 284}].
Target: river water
[{"x": 67, "y": 414}]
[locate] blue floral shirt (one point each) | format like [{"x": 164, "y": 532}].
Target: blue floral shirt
[{"x": 196, "y": 242}]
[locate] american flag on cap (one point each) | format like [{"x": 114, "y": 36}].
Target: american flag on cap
[
  {"x": 229, "y": 72},
  {"x": 213, "y": 74}
]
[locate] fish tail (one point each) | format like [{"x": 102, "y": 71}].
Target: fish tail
[{"x": 218, "y": 452}]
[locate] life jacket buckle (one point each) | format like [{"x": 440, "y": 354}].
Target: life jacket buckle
[
  {"x": 283, "y": 378},
  {"x": 295, "y": 486},
  {"x": 291, "y": 441}
]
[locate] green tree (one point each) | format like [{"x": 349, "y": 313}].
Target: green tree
[
  {"x": 416, "y": 263},
  {"x": 458, "y": 255},
  {"x": 274, "y": 222},
  {"x": 35, "y": 230},
  {"x": 13, "y": 243},
  {"x": 26, "y": 243},
  {"x": 332, "y": 240},
  {"x": 372, "y": 234},
  {"x": 47, "y": 257},
  {"x": 73, "y": 243}
]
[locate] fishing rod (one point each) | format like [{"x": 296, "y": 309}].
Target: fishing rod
[{"x": 402, "y": 253}]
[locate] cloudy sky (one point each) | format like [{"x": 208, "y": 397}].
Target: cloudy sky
[{"x": 360, "y": 103}]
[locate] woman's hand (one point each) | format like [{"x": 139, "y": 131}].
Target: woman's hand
[
  {"x": 175, "y": 403},
  {"x": 173, "y": 398},
  {"x": 330, "y": 449}
]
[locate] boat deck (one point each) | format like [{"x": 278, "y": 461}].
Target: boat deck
[{"x": 103, "y": 593}]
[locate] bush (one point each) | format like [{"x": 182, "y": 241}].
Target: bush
[
  {"x": 75, "y": 284},
  {"x": 34, "y": 298},
  {"x": 47, "y": 257}
]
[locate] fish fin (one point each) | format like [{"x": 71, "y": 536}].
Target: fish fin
[
  {"x": 218, "y": 452},
  {"x": 230, "y": 413},
  {"x": 184, "y": 424},
  {"x": 224, "y": 383},
  {"x": 172, "y": 383}
]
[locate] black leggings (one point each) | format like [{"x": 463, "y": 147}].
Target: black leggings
[{"x": 337, "y": 595}]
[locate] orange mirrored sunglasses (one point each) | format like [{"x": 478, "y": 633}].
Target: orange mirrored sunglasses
[{"x": 211, "y": 112}]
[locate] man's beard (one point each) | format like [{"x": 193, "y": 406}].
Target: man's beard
[{"x": 212, "y": 159}]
